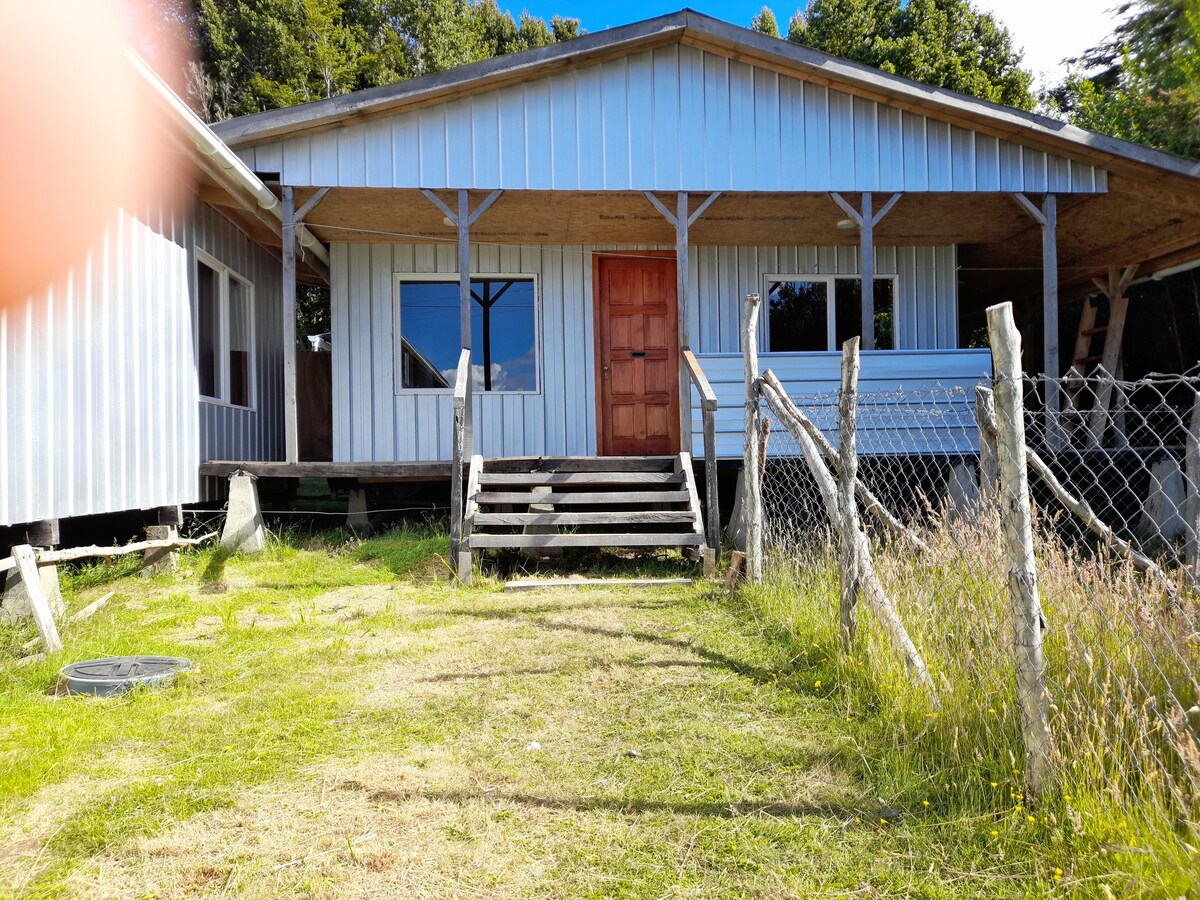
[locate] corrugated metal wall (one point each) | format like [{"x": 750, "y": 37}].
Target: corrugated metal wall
[
  {"x": 940, "y": 428},
  {"x": 99, "y": 398},
  {"x": 228, "y": 432},
  {"x": 99, "y": 392},
  {"x": 372, "y": 422},
  {"x": 676, "y": 118}
]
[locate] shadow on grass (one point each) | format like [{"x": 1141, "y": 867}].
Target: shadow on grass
[
  {"x": 569, "y": 670},
  {"x": 734, "y": 809},
  {"x": 212, "y": 579}
]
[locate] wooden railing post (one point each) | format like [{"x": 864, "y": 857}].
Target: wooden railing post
[
  {"x": 708, "y": 409},
  {"x": 460, "y": 450},
  {"x": 1192, "y": 474}
]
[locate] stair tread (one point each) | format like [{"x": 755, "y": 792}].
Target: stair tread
[
  {"x": 657, "y": 539},
  {"x": 1088, "y": 332},
  {"x": 527, "y": 464},
  {"x": 550, "y": 478},
  {"x": 605, "y": 517},
  {"x": 591, "y": 498}
]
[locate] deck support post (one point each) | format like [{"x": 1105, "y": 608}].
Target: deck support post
[
  {"x": 244, "y": 530},
  {"x": 291, "y": 431},
  {"x": 866, "y": 219},
  {"x": 1047, "y": 218},
  {"x": 358, "y": 516},
  {"x": 166, "y": 528}
]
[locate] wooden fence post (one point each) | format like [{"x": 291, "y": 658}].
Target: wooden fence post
[
  {"x": 989, "y": 463},
  {"x": 27, "y": 566},
  {"x": 1191, "y": 471},
  {"x": 1016, "y": 521},
  {"x": 847, "y": 476},
  {"x": 752, "y": 501}
]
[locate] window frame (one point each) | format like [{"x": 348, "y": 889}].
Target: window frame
[
  {"x": 830, "y": 306},
  {"x": 224, "y": 274},
  {"x": 398, "y": 280}
]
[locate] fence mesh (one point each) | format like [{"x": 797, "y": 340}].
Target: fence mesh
[{"x": 1120, "y": 590}]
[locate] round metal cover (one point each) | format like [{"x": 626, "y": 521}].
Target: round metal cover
[{"x": 117, "y": 674}]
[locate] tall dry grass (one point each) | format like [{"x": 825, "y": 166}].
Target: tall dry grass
[{"x": 1121, "y": 671}]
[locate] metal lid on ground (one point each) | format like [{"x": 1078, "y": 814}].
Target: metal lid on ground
[{"x": 117, "y": 674}]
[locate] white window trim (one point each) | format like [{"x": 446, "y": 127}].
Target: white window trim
[
  {"x": 399, "y": 278},
  {"x": 830, "y": 306},
  {"x": 224, "y": 274}
]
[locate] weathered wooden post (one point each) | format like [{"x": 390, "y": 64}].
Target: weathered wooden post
[
  {"x": 989, "y": 462},
  {"x": 28, "y": 567},
  {"x": 1016, "y": 520},
  {"x": 163, "y": 559},
  {"x": 1192, "y": 473},
  {"x": 752, "y": 501},
  {"x": 848, "y": 527}
]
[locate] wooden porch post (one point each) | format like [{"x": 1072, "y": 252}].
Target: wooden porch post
[
  {"x": 464, "y": 268},
  {"x": 866, "y": 268},
  {"x": 681, "y": 293},
  {"x": 1047, "y": 218},
  {"x": 291, "y": 438},
  {"x": 866, "y": 219}
]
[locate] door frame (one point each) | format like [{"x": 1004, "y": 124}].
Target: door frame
[{"x": 597, "y": 256}]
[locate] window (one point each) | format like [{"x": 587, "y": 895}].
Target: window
[
  {"x": 224, "y": 333},
  {"x": 503, "y": 328},
  {"x": 801, "y": 314}
]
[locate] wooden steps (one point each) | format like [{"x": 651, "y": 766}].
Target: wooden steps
[{"x": 554, "y": 502}]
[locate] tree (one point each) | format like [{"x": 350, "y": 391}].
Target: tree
[
  {"x": 945, "y": 43},
  {"x": 1143, "y": 83},
  {"x": 765, "y": 22}
]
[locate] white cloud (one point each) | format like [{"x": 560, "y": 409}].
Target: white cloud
[{"x": 1052, "y": 30}]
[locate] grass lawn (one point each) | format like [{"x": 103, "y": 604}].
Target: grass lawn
[{"x": 356, "y": 727}]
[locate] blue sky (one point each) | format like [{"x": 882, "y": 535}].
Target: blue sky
[{"x": 1048, "y": 30}]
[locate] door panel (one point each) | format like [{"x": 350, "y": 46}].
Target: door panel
[{"x": 637, "y": 335}]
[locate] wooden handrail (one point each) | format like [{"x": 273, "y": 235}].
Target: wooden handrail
[
  {"x": 461, "y": 447},
  {"x": 708, "y": 409},
  {"x": 708, "y": 398}
]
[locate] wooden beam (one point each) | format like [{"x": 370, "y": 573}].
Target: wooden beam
[
  {"x": 291, "y": 438},
  {"x": 311, "y": 204}
]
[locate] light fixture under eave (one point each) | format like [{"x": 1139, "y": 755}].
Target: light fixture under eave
[{"x": 845, "y": 224}]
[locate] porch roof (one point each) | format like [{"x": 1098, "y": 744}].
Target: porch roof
[{"x": 1130, "y": 223}]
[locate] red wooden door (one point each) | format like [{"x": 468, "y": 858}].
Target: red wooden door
[{"x": 637, "y": 342}]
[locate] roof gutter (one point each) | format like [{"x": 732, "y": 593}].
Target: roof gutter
[{"x": 215, "y": 149}]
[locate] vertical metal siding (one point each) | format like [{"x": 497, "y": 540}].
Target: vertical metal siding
[
  {"x": 228, "y": 432},
  {"x": 372, "y": 421},
  {"x": 99, "y": 389},
  {"x": 675, "y": 118}
]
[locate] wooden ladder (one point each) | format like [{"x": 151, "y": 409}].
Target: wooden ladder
[
  {"x": 1087, "y": 364},
  {"x": 590, "y": 501}
]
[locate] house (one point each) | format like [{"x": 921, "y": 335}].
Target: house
[
  {"x": 586, "y": 219},
  {"x": 160, "y": 348},
  {"x": 568, "y": 235}
]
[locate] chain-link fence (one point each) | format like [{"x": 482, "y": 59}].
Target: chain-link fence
[{"x": 1113, "y": 479}]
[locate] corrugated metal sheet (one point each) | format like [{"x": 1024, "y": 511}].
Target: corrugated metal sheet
[
  {"x": 99, "y": 390},
  {"x": 676, "y": 118},
  {"x": 228, "y": 432},
  {"x": 946, "y": 427},
  {"x": 373, "y": 422},
  {"x": 99, "y": 394}
]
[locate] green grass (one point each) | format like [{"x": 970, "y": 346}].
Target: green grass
[{"x": 356, "y": 725}]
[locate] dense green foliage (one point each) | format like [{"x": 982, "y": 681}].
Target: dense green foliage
[
  {"x": 1143, "y": 83},
  {"x": 252, "y": 55},
  {"x": 945, "y": 43}
]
